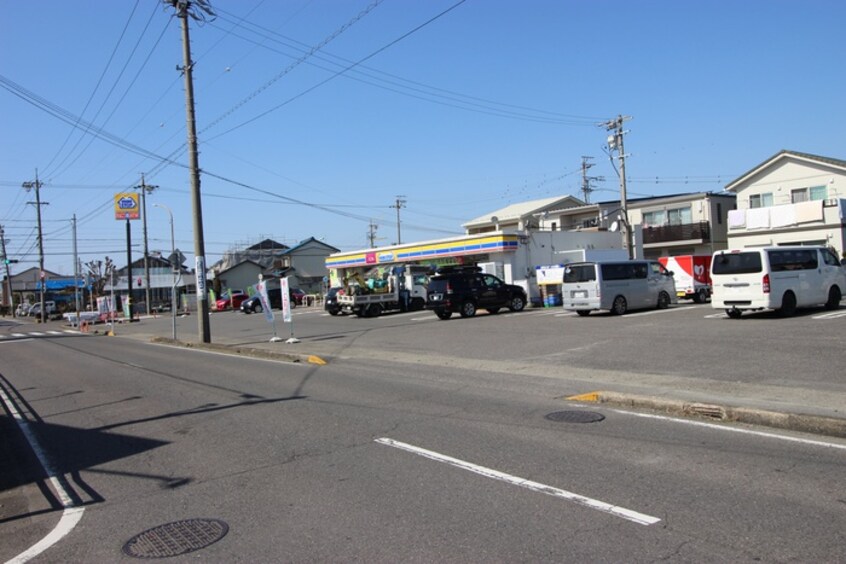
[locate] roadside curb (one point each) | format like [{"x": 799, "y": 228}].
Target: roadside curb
[
  {"x": 243, "y": 351},
  {"x": 820, "y": 425}
]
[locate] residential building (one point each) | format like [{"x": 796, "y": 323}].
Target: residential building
[
  {"x": 303, "y": 264},
  {"x": 678, "y": 224},
  {"x": 792, "y": 198}
]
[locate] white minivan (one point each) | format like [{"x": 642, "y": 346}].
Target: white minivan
[
  {"x": 780, "y": 278},
  {"x": 617, "y": 286}
]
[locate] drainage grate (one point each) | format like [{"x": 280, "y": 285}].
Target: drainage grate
[
  {"x": 173, "y": 539},
  {"x": 575, "y": 416}
]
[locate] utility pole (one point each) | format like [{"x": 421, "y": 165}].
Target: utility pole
[
  {"x": 197, "y": 9},
  {"x": 75, "y": 273},
  {"x": 7, "y": 291},
  {"x": 587, "y": 188},
  {"x": 371, "y": 234},
  {"x": 615, "y": 143},
  {"x": 400, "y": 203},
  {"x": 145, "y": 189},
  {"x": 38, "y": 203}
]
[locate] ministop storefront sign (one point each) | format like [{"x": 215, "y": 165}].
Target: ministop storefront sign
[{"x": 126, "y": 206}]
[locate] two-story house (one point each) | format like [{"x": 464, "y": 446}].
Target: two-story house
[
  {"x": 791, "y": 198},
  {"x": 680, "y": 224}
]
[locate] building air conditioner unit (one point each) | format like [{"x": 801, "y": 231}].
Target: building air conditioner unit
[{"x": 830, "y": 203}]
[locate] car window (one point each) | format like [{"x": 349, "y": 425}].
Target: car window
[
  {"x": 737, "y": 263},
  {"x": 491, "y": 281}
]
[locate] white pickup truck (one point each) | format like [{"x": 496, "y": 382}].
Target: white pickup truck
[{"x": 405, "y": 290}]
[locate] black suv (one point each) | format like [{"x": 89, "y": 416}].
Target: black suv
[{"x": 466, "y": 289}]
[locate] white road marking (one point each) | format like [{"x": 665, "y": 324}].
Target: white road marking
[
  {"x": 19, "y": 335},
  {"x": 657, "y": 311},
  {"x": 617, "y": 511},
  {"x": 811, "y": 442},
  {"x": 831, "y": 315},
  {"x": 71, "y": 514},
  {"x": 716, "y": 316}
]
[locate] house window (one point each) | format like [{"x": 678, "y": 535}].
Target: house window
[
  {"x": 818, "y": 192},
  {"x": 679, "y": 216},
  {"x": 554, "y": 226},
  {"x": 798, "y": 195},
  {"x": 654, "y": 218},
  {"x": 761, "y": 200},
  {"x": 804, "y": 194}
]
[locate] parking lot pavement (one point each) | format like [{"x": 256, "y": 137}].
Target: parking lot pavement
[{"x": 688, "y": 360}]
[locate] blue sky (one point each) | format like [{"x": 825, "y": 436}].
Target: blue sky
[{"x": 489, "y": 104}]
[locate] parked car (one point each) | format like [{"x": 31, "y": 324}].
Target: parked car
[
  {"x": 297, "y": 296},
  {"x": 467, "y": 289},
  {"x": 231, "y": 299},
  {"x": 35, "y": 309},
  {"x": 780, "y": 278},
  {"x": 617, "y": 286},
  {"x": 274, "y": 296},
  {"x": 330, "y": 300},
  {"x": 22, "y": 310}
]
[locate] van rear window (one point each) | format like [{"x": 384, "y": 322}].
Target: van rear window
[
  {"x": 579, "y": 273},
  {"x": 737, "y": 263}
]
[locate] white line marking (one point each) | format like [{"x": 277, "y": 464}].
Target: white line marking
[
  {"x": 18, "y": 334},
  {"x": 617, "y": 511},
  {"x": 36, "y": 334},
  {"x": 735, "y": 429},
  {"x": 71, "y": 514},
  {"x": 716, "y": 316},
  {"x": 657, "y": 311},
  {"x": 830, "y": 315},
  {"x": 54, "y": 332}
]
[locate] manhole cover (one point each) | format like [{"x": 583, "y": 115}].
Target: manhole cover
[
  {"x": 575, "y": 416},
  {"x": 173, "y": 539}
]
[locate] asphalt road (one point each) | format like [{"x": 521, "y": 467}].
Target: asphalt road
[{"x": 424, "y": 440}]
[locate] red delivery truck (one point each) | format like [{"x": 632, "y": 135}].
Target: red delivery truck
[{"x": 692, "y": 274}]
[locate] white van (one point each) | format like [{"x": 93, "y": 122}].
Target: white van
[
  {"x": 617, "y": 286},
  {"x": 781, "y": 278}
]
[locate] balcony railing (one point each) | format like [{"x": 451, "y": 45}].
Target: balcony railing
[{"x": 700, "y": 231}]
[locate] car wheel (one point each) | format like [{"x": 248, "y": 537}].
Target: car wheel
[
  {"x": 333, "y": 312},
  {"x": 493, "y": 310},
  {"x": 374, "y": 310},
  {"x": 583, "y": 312},
  {"x": 734, "y": 313},
  {"x": 257, "y": 308},
  {"x": 468, "y": 309},
  {"x": 788, "y": 305},
  {"x": 834, "y": 297},
  {"x": 443, "y": 314},
  {"x": 620, "y": 306},
  {"x": 663, "y": 300},
  {"x": 517, "y": 303}
]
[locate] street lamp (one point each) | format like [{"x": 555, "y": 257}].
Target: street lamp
[{"x": 174, "y": 266}]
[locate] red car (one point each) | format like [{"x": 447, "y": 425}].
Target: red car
[
  {"x": 297, "y": 296},
  {"x": 231, "y": 299}
]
